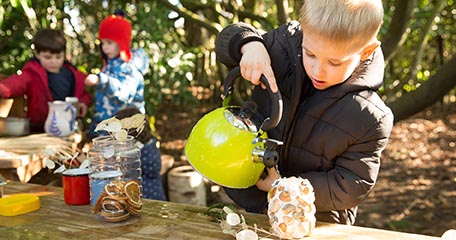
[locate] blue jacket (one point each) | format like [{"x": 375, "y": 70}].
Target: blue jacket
[{"x": 121, "y": 85}]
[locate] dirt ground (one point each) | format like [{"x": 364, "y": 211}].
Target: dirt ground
[{"x": 416, "y": 190}]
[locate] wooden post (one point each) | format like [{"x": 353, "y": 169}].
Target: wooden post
[{"x": 185, "y": 185}]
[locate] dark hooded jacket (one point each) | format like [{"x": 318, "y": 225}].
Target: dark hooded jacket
[{"x": 332, "y": 137}]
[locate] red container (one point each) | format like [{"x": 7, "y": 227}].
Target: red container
[{"x": 76, "y": 186}]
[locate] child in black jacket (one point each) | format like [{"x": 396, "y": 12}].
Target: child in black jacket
[{"x": 328, "y": 68}]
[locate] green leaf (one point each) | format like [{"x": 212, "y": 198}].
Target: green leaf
[{"x": 15, "y": 3}]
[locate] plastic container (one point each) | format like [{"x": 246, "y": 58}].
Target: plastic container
[
  {"x": 19, "y": 204},
  {"x": 115, "y": 178}
]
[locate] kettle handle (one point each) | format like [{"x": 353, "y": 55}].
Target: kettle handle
[{"x": 276, "y": 98}]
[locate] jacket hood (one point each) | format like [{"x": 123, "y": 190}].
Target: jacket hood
[
  {"x": 375, "y": 82},
  {"x": 140, "y": 60}
]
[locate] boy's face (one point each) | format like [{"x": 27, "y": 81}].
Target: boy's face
[
  {"x": 328, "y": 64},
  {"x": 52, "y": 62},
  {"x": 110, "y": 48}
]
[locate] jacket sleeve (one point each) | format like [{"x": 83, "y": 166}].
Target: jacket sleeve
[
  {"x": 140, "y": 60},
  {"x": 124, "y": 87},
  {"x": 251, "y": 199},
  {"x": 14, "y": 85},
  {"x": 229, "y": 42}
]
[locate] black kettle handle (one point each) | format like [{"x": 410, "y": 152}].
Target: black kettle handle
[{"x": 276, "y": 98}]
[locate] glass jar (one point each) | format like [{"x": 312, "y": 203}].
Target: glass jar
[{"x": 115, "y": 178}]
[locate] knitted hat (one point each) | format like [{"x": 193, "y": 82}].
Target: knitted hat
[{"x": 117, "y": 29}]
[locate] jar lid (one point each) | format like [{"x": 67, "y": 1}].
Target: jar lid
[
  {"x": 19, "y": 204},
  {"x": 76, "y": 172}
]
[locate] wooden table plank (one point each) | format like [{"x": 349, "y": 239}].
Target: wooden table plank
[
  {"x": 13, "y": 160},
  {"x": 159, "y": 220},
  {"x": 22, "y": 157},
  {"x": 21, "y": 167}
]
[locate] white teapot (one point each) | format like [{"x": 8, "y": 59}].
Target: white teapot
[{"x": 61, "y": 119}]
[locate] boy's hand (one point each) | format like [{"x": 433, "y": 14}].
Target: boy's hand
[
  {"x": 255, "y": 61},
  {"x": 266, "y": 183},
  {"x": 91, "y": 80}
]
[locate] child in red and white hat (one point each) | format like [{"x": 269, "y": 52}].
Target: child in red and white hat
[
  {"x": 121, "y": 82},
  {"x": 117, "y": 29}
]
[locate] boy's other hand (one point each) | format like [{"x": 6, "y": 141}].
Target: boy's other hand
[
  {"x": 255, "y": 61},
  {"x": 91, "y": 80},
  {"x": 266, "y": 183}
]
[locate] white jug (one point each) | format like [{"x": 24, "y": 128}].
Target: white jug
[{"x": 60, "y": 121}]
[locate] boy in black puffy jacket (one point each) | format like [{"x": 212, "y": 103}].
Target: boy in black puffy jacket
[{"x": 328, "y": 68}]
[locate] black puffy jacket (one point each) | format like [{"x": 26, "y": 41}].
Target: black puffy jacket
[{"x": 334, "y": 137}]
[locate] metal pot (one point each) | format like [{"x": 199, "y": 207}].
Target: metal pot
[
  {"x": 14, "y": 126},
  {"x": 2, "y": 182}
]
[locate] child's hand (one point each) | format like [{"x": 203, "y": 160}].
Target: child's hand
[
  {"x": 82, "y": 109},
  {"x": 266, "y": 183},
  {"x": 256, "y": 61},
  {"x": 91, "y": 80}
]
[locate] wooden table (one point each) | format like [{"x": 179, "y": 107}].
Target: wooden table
[
  {"x": 21, "y": 161},
  {"x": 20, "y": 167},
  {"x": 159, "y": 220}
]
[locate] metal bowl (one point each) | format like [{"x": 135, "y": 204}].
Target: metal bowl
[
  {"x": 2, "y": 182},
  {"x": 14, "y": 126}
]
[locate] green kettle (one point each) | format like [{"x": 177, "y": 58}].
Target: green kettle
[{"x": 229, "y": 145}]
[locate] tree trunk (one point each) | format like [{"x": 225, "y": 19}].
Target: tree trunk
[
  {"x": 430, "y": 92},
  {"x": 282, "y": 11},
  {"x": 396, "y": 33}
]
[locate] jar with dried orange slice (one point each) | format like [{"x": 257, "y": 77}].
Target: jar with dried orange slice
[{"x": 115, "y": 178}]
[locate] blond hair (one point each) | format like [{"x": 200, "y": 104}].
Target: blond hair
[{"x": 342, "y": 21}]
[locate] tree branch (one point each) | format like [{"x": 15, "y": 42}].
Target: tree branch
[
  {"x": 214, "y": 28},
  {"x": 248, "y": 13},
  {"x": 420, "y": 48},
  {"x": 396, "y": 34},
  {"x": 424, "y": 37},
  {"x": 430, "y": 92}
]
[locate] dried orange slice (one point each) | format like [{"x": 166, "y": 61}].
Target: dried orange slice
[
  {"x": 133, "y": 192},
  {"x": 112, "y": 214},
  {"x": 97, "y": 206},
  {"x": 112, "y": 205},
  {"x": 134, "y": 210},
  {"x": 113, "y": 189},
  {"x": 115, "y": 216}
]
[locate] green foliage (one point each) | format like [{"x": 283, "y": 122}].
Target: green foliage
[
  {"x": 171, "y": 61},
  {"x": 437, "y": 51},
  {"x": 180, "y": 40}
]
